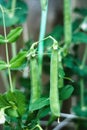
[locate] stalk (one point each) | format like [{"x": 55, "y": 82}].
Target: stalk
[
  {"x": 67, "y": 23},
  {"x": 44, "y": 8},
  {"x": 82, "y": 80},
  {"x": 6, "y": 47},
  {"x": 14, "y": 49},
  {"x": 13, "y": 45},
  {"x": 13, "y": 7},
  {"x": 5, "y": 80},
  {"x": 82, "y": 92}
]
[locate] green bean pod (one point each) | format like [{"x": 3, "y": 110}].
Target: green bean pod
[
  {"x": 67, "y": 22},
  {"x": 35, "y": 88},
  {"x": 54, "y": 93}
]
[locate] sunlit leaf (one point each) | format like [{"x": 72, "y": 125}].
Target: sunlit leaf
[
  {"x": 19, "y": 61},
  {"x": 65, "y": 92},
  {"x": 14, "y": 34},
  {"x": 41, "y": 103}
]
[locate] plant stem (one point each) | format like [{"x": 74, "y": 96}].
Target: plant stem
[
  {"x": 84, "y": 57},
  {"x": 82, "y": 80},
  {"x": 9, "y": 72},
  {"x": 82, "y": 92},
  {"x": 67, "y": 25},
  {"x": 13, "y": 45},
  {"x": 7, "y": 55},
  {"x": 42, "y": 32},
  {"x": 14, "y": 49},
  {"x": 5, "y": 80},
  {"x": 13, "y": 7}
]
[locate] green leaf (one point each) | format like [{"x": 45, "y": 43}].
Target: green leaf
[
  {"x": 83, "y": 25},
  {"x": 74, "y": 64},
  {"x": 3, "y": 102},
  {"x": 3, "y": 65},
  {"x": 80, "y": 112},
  {"x": 19, "y": 61},
  {"x": 56, "y": 33},
  {"x": 20, "y": 15},
  {"x": 2, "y": 39},
  {"x": 17, "y": 102},
  {"x": 42, "y": 114},
  {"x": 14, "y": 34},
  {"x": 38, "y": 104},
  {"x": 65, "y": 92},
  {"x": 79, "y": 37},
  {"x": 81, "y": 11},
  {"x": 76, "y": 24}
]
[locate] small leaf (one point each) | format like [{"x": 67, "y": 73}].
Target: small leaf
[
  {"x": 42, "y": 114},
  {"x": 80, "y": 111},
  {"x": 2, "y": 39},
  {"x": 18, "y": 61},
  {"x": 14, "y": 34},
  {"x": 3, "y": 102},
  {"x": 3, "y": 65},
  {"x": 56, "y": 33},
  {"x": 65, "y": 92},
  {"x": 38, "y": 104},
  {"x": 81, "y": 11},
  {"x": 16, "y": 100},
  {"x": 83, "y": 25},
  {"x": 79, "y": 37}
]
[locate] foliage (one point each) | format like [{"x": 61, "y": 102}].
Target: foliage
[{"x": 26, "y": 106}]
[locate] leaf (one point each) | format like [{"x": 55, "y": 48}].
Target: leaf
[
  {"x": 74, "y": 64},
  {"x": 17, "y": 102},
  {"x": 3, "y": 65},
  {"x": 76, "y": 24},
  {"x": 81, "y": 11},
  {"x": 3, "y": 102},
  {"x": 42, "y": 114},
  {"x": 80, "y": 112},
  {"x": 83, "y": 25},
  {"x": 22, "y": 12},
  {"x": 14, "y": 34},
  {"x": 19, "y": 61},
  {"x": 65, "y": 92},
  {"x": 79, "y": 37},
  {"x": 20, "y": 15},
  {"x": 38, "y": 104},
  {"x": 2, "y": 39},
  {"x": 56, "y": 33}
]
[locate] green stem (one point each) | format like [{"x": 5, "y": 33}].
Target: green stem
[
  {"x": 13, "y": 7},
  {"x": 9, "y": 72},
  {"x": 13, "y": 45},
  {"x": 5, "y": 80},
  {"x": 7, "y": 55},
  {"x": 67, "y": 24},
  {"x": 14, "y": 49},
  {"x": 82, "y": 80},
  {"x": 82, "y": 92},
  {"x": 84, "y": 57},
  {"x": 42, "y": 32}
]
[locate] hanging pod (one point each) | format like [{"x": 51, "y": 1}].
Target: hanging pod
[
  {"x": 35, "y": 88},
  {"x": 54, "y": 93}
]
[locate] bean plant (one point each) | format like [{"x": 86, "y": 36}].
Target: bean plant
[{"x": 27, "y": 106}]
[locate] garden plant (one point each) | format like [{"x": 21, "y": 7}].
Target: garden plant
[{"x": 29, "y": 105}]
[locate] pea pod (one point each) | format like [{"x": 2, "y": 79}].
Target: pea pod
[
  {"x": 35, "y": 89},
  {"x": 54, "y": 93}
]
